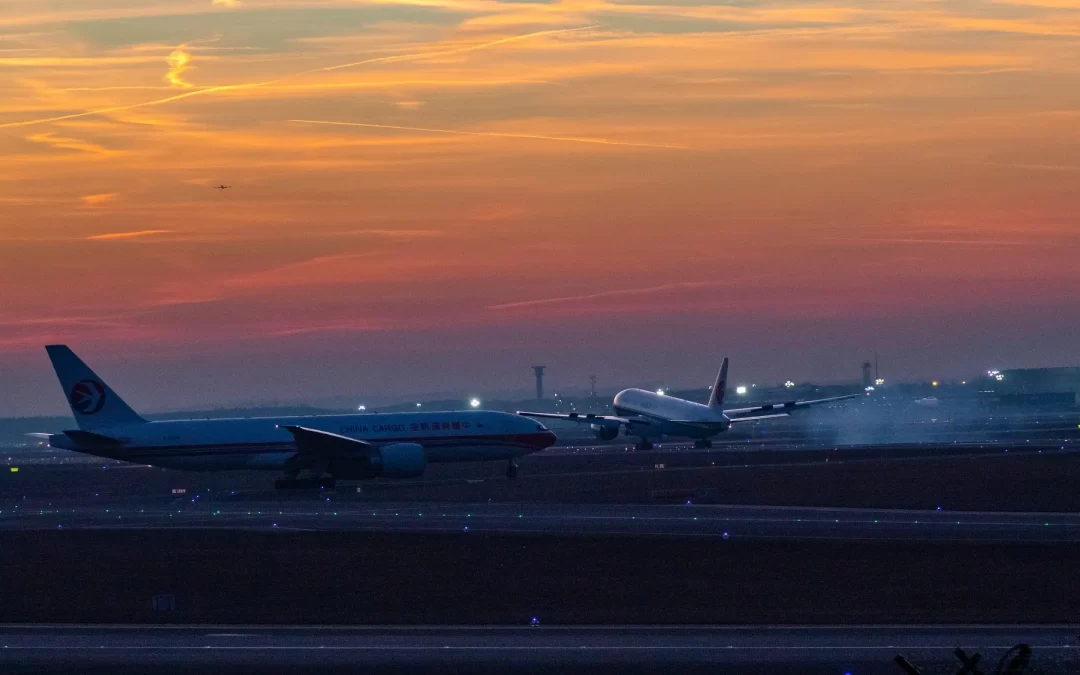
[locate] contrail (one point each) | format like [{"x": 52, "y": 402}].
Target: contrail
[
  {"x": 446, "y": 52},
  {"x": 102, "y": 111},
  {"x": 125, "y": 235},
  {"x": 229, "y": 87},
  {"x": 957, "y": 242},
  {"x": 456, "y": 132},
  {"x": 677, "y": 286}
]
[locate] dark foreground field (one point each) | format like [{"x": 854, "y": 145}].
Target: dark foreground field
[{"x": 371, "y": 578}]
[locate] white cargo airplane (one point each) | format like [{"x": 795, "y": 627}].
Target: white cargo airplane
[
  {"x": 322, "y": 448},
  {"x": 652, "y": 415}
]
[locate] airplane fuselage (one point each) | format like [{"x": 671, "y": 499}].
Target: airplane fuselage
[
  {"x": 263, "y": 443},
  {"x": 671, "y": 416}
]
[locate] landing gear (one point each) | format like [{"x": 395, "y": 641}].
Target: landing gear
[
  {"x": 645, "y": 444},
  {"x": 511, "y": 469},
  {"x": 702, "y": 444}
]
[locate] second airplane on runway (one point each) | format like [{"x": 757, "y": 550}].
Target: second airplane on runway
[{"x": 651, "y": 416}]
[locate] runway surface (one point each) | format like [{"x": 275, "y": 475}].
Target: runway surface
[
  {"x": 728, "y": 522},
  {"x": 826, "y": 649},
  {"x": 897, "y": 493}
]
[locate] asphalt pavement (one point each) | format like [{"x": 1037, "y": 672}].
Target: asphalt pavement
[
  {"x": 739, "y": 649},
  {"x": 688, "y": 519}
]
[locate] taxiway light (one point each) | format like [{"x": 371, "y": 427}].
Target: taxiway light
[{"x": 474, "y": 403}]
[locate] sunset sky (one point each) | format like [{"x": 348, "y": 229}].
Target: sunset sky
[{"x": 432, "y": 195}]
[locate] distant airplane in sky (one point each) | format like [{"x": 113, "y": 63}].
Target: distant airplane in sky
[
  {"x": 652, "y": 415},
  {"x": 312, "y": 451},
  {"x": 222, "y": 187}
]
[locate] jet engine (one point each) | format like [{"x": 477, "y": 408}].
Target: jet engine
[
  {"x": 400, "y": 460},
  {"x": 605, "y": 432}
]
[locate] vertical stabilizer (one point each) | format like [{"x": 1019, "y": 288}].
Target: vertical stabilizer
[
  {"x": 93, "y": 403},
  {"x": 716, "y": 396}
]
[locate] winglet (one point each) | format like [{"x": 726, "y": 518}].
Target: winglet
[{"x": 716, "y": 396}]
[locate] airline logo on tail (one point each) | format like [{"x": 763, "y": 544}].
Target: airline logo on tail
[{"x": 87, "y": 397}]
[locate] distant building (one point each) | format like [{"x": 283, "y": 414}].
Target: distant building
[{"x": 1038, "y": 385}]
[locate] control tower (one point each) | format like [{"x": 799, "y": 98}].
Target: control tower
[{"x": 539, "y": 370}]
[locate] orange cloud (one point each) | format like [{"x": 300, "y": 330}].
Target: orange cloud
[
  {"x": 820, "y": 132},
  {"x": 178, "y": 61},
  {"x": 95, "y": 200},
  {"x": 69, "y": 143},
  {"x": 254, "y": 85}
]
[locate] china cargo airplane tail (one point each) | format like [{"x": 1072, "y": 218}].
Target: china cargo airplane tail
[
  {"x": 93, "y": 403},
  {"x": 716, "y": 396}
]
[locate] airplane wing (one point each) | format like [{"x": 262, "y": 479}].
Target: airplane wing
[
  {"x": 315, "y": 442},
  {"x": 757, "y": 417},
  {"x": 739, "y": 414},
  {"x": 588, "y": 418}
]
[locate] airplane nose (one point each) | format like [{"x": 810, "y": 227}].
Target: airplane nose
[{"x": 548, "y": 439}]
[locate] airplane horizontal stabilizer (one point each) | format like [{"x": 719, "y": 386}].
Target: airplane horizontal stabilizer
[{"x": 91, "y": 439}]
